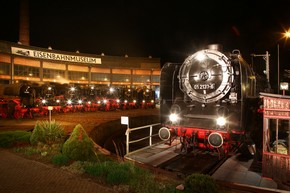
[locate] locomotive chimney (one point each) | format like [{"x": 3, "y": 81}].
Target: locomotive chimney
[{"x": 217, "y": 47}]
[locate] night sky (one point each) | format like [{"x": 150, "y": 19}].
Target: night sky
[{"x": 170, "y": 30}]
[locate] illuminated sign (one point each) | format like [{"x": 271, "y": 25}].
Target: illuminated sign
[
  {"x": 284, "y": 86},
  {"x": 124, "y": 120},
  {"x": 276, "y": 108},
  {"x": 54, "y": 56}
]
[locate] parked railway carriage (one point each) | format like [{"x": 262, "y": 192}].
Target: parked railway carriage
[
  {"x": 34, "y": 98},
  {"x": 210, "y": 101}
]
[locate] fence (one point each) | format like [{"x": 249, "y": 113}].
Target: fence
[{"x": 129, "y": 130}]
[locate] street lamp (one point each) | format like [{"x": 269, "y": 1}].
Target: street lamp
[
  {"x": 286, "y": 35},
  {"x": 50, "y": 108}
]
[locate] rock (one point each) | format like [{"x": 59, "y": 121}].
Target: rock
[{"x": 180, "y": 187}]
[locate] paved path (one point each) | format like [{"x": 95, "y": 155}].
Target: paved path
[{"x": 20, "y": 175}]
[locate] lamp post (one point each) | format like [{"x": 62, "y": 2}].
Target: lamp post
[
  {"x": 50, "y": 108},
  {"x": 266, "y": 58},
  {"x": 286, "y": 35},
  {"x": 278, "y": 51},
  {"x": 284, "y": 86}
]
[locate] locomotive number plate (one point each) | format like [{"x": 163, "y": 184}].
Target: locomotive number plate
[{"x": 204, "y": 86}]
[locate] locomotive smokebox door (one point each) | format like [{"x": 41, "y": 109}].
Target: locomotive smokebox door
[{"x": 206, "y": 76}]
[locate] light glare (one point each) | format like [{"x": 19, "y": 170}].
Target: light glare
[
  {"x": 173, "y": 117},
  {"x": 200, "y": 56},
  {"x": 221, "y": 121}
]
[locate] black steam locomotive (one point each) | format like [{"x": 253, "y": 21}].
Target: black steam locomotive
[{"x": 211, "y": 101}]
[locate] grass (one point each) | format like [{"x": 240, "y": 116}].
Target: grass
[
  {"x": 125, "y": 173},
  {"x": 126, "y": 176},
  {"x": 12, "y": 138},
  {"x": 60, "y": 160}
]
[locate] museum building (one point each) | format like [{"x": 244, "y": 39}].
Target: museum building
[{"x": 21, "y": 63}]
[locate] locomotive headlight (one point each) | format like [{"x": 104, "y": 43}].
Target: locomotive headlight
[
  {"x": 200, "y": 56},
  {"x": 173, "y": 117},
  {"x": 221, "y": 121}
]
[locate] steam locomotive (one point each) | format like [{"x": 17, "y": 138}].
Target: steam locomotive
[{"x": 211, "y": 101}]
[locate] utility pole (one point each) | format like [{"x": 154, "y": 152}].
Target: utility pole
[
  {"x": 266, "y": 58},
  {"x": 278, "y": 58}
]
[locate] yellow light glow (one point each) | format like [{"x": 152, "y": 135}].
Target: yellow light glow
[{"x": 287, "y": 34}]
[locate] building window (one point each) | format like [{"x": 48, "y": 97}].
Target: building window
[
  {"x": 143, "y": 79},
  {"x": 121, "y": 78},
  {"x": 27, "y": 71},
  {"x": 4, "y": 68},
  {"x": 155, "y": 78},
  {"x": 100, "y": 77},
  {"x": 72, "y": 75},
  {"x": 53, "y": 74},
  {"x": 4, "y": 81},
  {"x": 278, "y": 136}
]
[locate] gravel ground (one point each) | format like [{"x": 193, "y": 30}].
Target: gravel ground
[{"x": 88, "y": 120}]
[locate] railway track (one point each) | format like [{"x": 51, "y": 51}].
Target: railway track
[{"x": 195, "y": 162}]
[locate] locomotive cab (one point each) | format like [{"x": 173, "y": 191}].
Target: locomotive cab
[{"x": 204, "y": 100}]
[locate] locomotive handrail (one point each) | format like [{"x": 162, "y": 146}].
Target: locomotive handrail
[{"x": 128, "y": 131}]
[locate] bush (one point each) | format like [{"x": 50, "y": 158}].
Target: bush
[
  {"x": 200, "y": 183},
  {"x": 9, "y": 138},
  {"x": 60, "y": 160},
  {"x": 28, "y": 150},
  {"x": 48, "y": 133},
  {"x": 112, "y": 172},
  {"x": 139, "y": 180},
  {"x": 79, "y": 146}
]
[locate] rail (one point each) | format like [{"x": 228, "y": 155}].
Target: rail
[{"x": 129, "y": 130}]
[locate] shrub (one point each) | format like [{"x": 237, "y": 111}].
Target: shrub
[
  {"x": 112, "y": 172},
  {"x": 9, "y": 138},
  {"x": 48, "y": 133},
  {"x": 60, "y": 160},
  {"x": 200, "y": 183},
  {"x": 28, "y": 150},
  {"x": 139, "y": 180},
  {"x": 79, "y": 146}
]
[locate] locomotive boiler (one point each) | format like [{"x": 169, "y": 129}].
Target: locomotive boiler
[{"x": 210, "y": 101}]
